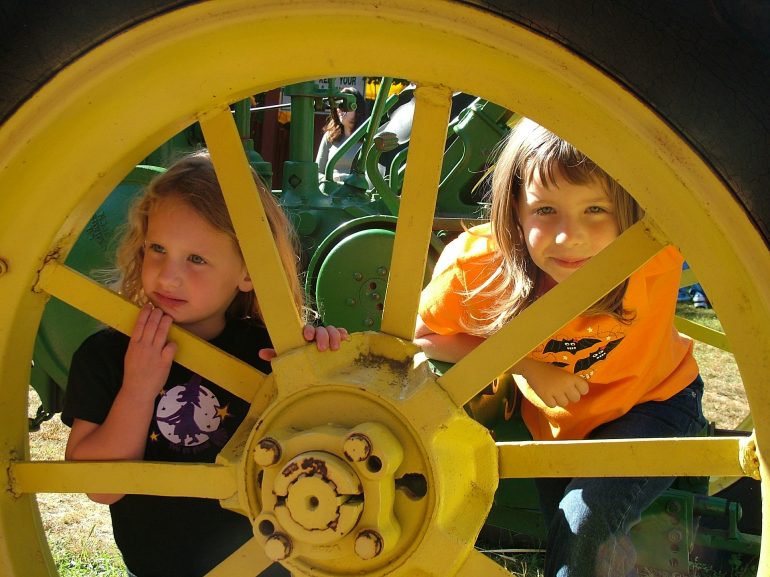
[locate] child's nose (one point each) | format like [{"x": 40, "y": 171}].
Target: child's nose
[
  {"x": 570, "y": 232},
  {"x": 170, "y": 274}
]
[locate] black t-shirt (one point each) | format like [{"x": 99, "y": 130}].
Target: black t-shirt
[{"x": 193, "y": 419}]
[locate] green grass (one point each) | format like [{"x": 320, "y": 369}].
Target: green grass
[{"x": 84, "y": 561}]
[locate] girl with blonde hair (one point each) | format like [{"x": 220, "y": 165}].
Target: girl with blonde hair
[{"x": 127, "y": 400}]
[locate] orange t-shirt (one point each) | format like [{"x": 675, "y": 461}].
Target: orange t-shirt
[{"x": 624, "y": 364}]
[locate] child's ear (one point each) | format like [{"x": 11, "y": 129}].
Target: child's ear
[{"x": 246, "y": 285}]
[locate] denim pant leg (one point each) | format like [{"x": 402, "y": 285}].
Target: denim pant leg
[{"x": 588, "y": 531}]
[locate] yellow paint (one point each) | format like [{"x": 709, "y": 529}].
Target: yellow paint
[
  {"x": 345, "y": 496},
  {"x": 111, "y": 309},
  {"x": 702, "y": 333},
  {"x": 249, "y": 559},
  {"x": 176, "y": 479},
  {"x": 418, "y": 202},
  {"x": 240, "y": 191},
  {"x": 440, "y": 43},
  {"x": 638, "y": 457}
]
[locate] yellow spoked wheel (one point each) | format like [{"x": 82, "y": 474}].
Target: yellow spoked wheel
[{"x": 363, "y": 443}]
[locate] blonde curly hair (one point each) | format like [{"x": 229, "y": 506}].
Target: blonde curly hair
[{"x": 192, "y": 180}]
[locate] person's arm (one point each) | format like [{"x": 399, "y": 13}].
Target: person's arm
[
  {"x": 447, "y": 348},
  {"x": 550, "y": 385},
  {"x": 322, "y": 158},
  {"x": 123, "y": 434}
]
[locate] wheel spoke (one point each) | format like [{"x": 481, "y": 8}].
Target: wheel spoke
[
  {"x": 418, "y": 202},
  {"x": 547, "y": 315},
  {"x": 479, "y": 564},
  {"x": 130, "y": 477},
  {"x": 622, "y": 458},
  {"x": 107, "y": 307},
  {"x": 277, "y": 306},
  {"x": 702, "y": 333},
  {"x": 247, "y": 561}
]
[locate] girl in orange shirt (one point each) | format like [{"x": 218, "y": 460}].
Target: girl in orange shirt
[{"x": 620, "y": 370}]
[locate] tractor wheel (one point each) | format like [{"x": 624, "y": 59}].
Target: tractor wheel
[{"x": 670, "y": 98}]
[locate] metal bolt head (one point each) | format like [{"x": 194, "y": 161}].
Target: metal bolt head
[
  {"x": 369, "y": 321},
  {"x": 357, "y": 276},
  {"x": 368, "y": 544},
  {"x": 382, "y": 271},
  {"x": 278, "y": 546},
  {"x": 357, "y": 447},
  {"x": 267, "y": 452},
  {"x": 675, "y": 536}
]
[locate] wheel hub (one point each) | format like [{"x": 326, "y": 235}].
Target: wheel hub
[{"x": 329, "y": 493}]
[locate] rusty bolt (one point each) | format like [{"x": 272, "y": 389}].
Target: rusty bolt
[
  {"x": 357, "y": 447},
  {"x": 368, "y": 544},
  {"x": 674, "y": 536},
  {"x": 3, "y": 267},
  {"x": 278, "y": 546},
  {"x": 267, "y": 453}
]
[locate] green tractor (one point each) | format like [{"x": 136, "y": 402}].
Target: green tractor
[{"x": 369, "y": 243}]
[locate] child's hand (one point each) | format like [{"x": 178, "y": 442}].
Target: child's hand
[
  {"x": 150, "y": 354},
  {"x": 328, "y": 337},
  {"x": 553, "y": 386}
]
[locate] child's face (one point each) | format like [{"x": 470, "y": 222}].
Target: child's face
[
  {"x": 565, "y": 225},
  {"x": 191, "y": 270}
]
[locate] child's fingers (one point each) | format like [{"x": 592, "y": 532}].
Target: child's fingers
[
  {"x": 582, "y": 387},
  {"x": 267, "y": 354},
  {"x": 308, "y": 333},
  {"x": 322, "y": 338},
  {"x": 168, "y": 352},
  {"x": 573, "y": 395},
  {"x": 141, "y": 322},
  {"x": 162, "y": 328},
  {"x": 335, "y": 337},
  {"x": 551, "y": 401}
]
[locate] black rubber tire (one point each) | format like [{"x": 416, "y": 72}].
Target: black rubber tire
[{"x": 701, "y": 64}]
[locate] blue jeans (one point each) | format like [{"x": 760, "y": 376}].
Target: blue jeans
[{"x": 588, "y": 519}]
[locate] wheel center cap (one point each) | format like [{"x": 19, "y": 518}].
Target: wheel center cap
[{"x": 319, "y": 493}]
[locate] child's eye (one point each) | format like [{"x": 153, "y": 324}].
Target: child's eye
[
  {"x": 596, "y": 209},
  {"x": 544, "y": 210},
  {"x": 196, "y": 259},
  {"x": 155, "y": 247}
]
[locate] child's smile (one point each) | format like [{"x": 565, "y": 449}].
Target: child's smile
[{"x": 565, "y": 225}]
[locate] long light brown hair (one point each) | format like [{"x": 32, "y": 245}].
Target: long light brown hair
[
  {"x": 527, "y": 151},
  {"x": 333, "y": 130},
  {"x": 192, "y": 180}
]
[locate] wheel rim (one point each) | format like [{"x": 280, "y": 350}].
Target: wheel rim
[{"x": 521, "y": 71}]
